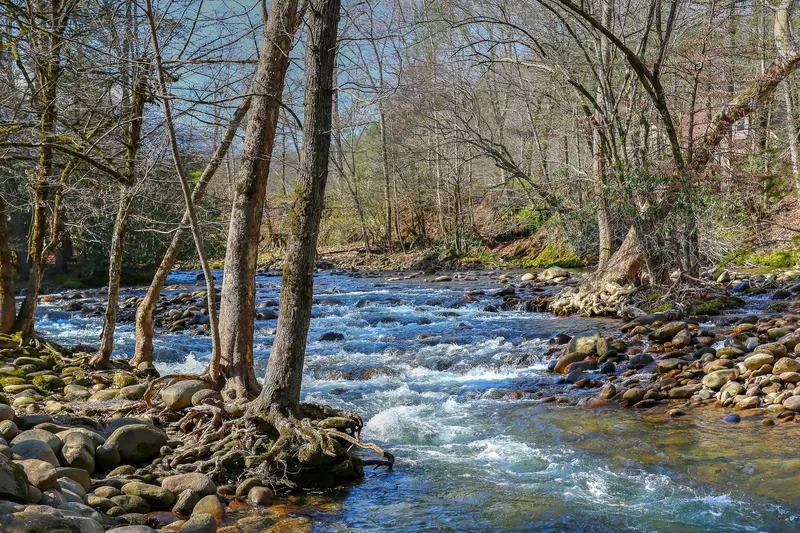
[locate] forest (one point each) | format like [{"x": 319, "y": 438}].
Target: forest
[{"x": 255, "y": 252}]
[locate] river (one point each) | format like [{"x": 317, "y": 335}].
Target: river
[{"x": 470, "y": 458}]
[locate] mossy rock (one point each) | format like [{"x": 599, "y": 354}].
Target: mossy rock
[
  {"x": 714, "y": 306},
  {"x": 124, "y": 379},
  {"x": 48, "y": 382}
]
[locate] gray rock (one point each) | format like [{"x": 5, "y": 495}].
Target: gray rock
[
  {"x": 186, "y": 502},
  {"x": 36, "y": 449},
  {"x": 13, "y": 481},
  {"x": 71, "y": 485},
  {"x": 31, "y": 421},
  {"x": 78, "y": 452},
  {"x": 200, "y": 483},
  {"x": 37, "y": 522},
  {"x": 39, "y": 435},
  {"x": 132, "y": 529},
  {"x": 96, "y": 438},
  {"x": 200, "y": 523},
  {"x": 107, "y": 492},
  {"x": 52, "y": 498},
  {"x": 715, "y": 380},
  {"x": 158, "y": 497},
  {"x": 131, "y": 504},
  {"x": 133, "y": 392},
  {"x": 6, "y": 412},
  {"x": 792, "y": 403},
  {"x": 667, "y": 331},
  {"x": 84, "y": 524},
  {"x": 8, "y": 430},
  {"x": 137, "y": 443},
  {"x": 41, "y": 474},
  {"x": 81, "y": 510},
  {"x": 106, "y": 457},
  {"x": 124, "y": 421},
  {"x": 179, "y": 395},
  {"x": 75, "y": 474}
]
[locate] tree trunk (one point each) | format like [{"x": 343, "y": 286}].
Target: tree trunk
[
  {"x": 126, "y": 196},
  {"x": 387, "y": 199},
  {"x": 285, "y": 368},
  {"x": 6, "y": 275},
  {"x": 239, "y": 284},
  {"x": 145, "y": 329},
  {"x": 791, "y": 129}
]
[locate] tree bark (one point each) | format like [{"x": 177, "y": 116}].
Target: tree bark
[
  {"x": 239, "y": 285},
  {"x": 791, "y": 128},
  {"x": 133, "y": 142},
  {"x": 6, "y": 275},
  {"x": 145, "y": 329},
  {"x": 285, "y": 368}
]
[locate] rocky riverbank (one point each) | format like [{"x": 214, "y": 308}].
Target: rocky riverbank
[
  {"x": 85, "y": 450},
  {"x": 747, "y": 363}
]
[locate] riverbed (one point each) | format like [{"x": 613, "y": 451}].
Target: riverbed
[{"x": 454, "y": 392}]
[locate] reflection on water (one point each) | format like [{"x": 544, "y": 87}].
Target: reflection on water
[{"x": 469, "y": 460}]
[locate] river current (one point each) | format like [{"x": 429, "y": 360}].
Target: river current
[{"x": 475, "y": 451}]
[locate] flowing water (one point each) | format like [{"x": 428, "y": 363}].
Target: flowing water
[{"x": 470, "y": 458}]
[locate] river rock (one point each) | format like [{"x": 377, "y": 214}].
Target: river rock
[
  {"x": 37, "y": 522},
  {"x": 667, "y": 331},
  {"x": 36, "y": 449},
  {"x": 757, "y": 360},
  {"x": 131, "y": 504},
  {"x": 585, "y": 344},
  {"x": 137, "y": 443},
  {"x": 179, "y": 395},
  {"x": 133, "y": 392},
  {"x": 41, "y": 474},
  {"x": 79, "y": 476},
  {"x": 210, "y": 505},
  {"x": 8, "y": 430},
  {"x": 186, "y": 502},
  {"x": 640, "y": 360},
  {"x": 786, "y": 364},
  {"x": 98, "y": 502},
  {"x": 106, "y": 457},
  {"x": 567, "y": 359},
  {"x": 107, "y": 491},
  {"x": 71, "y": 485},
  {"x": 132, "y": 529},
  {"x": 13, "y": 481},
  {"x": 158, "y": 497},
  {"x": 40, "y": 435},
  {"x": 200, "y": 483},
  {"x": 685, "y": 391},
  {"x": 682, "y": 338},
  {"x": 6, "y": 412},
  {"x": 200, "y": 523},
  {"x": 553, "y": 273},
  {"x": 634, "y": 395},
  {"x": 78, "y": 452},
  {"x": 667, "y": 365},
  {"x": 777, "y": 350},
  {"x": 792, "y": 403},
  {"x": 715, "y": 380},
  {"x": 331, "y": 336}
]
